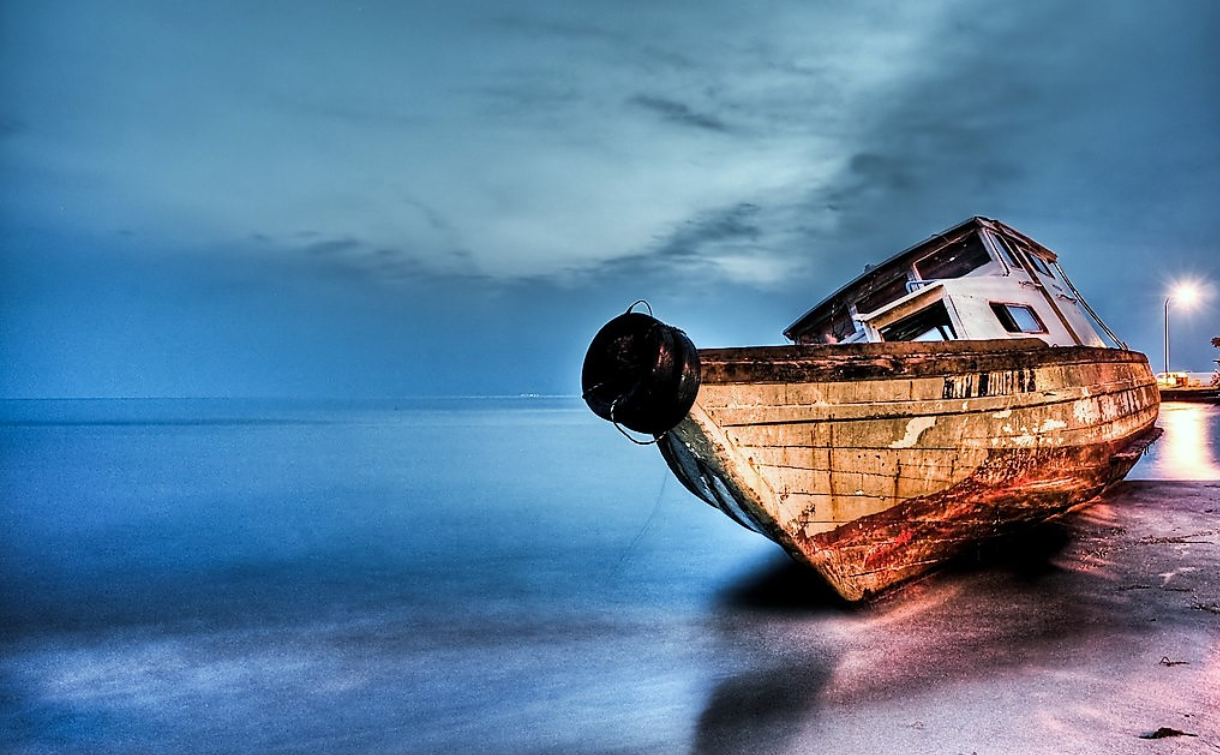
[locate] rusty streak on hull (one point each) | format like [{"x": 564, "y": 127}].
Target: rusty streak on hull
[{"x": 873, "y": 463}]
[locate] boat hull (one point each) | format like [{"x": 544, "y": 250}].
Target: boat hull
[{"x": 874, "y": 463}]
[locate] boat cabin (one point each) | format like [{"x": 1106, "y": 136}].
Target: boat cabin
[{"x": 978, "y": 280}]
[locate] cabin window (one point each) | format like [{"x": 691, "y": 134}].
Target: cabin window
[
  {"x": 954, "y": 260},
  {"x": 929, "y": 324},
  {"x": 828, "y": 329},
  {"x": 1011, "y": 248},
  {"x": 1018, "y": 318},
  {"x": 1041, "y": 265},
  {"x": 1010, "y": 254},
  {"x": 882, "y": 293},
  {"x": 818, "y": 331},
  {"x": 841, "y": 327}
]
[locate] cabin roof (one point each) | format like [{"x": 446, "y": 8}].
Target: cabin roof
[{"x": 887, "y": 267}]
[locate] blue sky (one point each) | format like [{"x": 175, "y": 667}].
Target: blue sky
[{"x": 388, "y": 198}]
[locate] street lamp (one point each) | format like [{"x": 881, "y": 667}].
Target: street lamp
[{"x": 1185, "y": 293}]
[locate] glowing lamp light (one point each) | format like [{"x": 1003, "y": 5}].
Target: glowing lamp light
[{"x": 1185, "y": 294}]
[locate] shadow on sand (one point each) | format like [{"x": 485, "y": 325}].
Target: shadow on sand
[
  {"x": 775, "y": 675},
  {"x": 792, "y": 647}
]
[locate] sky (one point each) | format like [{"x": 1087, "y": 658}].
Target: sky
[{"x": 375, "y": 199}]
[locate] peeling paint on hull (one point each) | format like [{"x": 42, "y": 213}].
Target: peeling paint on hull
[{"x": 874, "y": 463}]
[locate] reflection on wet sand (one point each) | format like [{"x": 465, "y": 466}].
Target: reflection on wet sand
[
  {"x": 1005, "y": 606},
  {"x": 1051, "y": 640},
  {"x": 1187, "y": 451}
]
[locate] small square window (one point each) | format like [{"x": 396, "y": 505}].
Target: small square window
[{"x": 1018, "y": 318}]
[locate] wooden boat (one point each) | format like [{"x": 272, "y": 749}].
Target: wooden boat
[{"x": 952, "y": 393}]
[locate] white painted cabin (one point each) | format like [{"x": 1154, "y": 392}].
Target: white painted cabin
[{"x": 979, "y": 280}]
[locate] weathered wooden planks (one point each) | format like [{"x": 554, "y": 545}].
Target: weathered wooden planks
[{"x": 873, "y": 462}]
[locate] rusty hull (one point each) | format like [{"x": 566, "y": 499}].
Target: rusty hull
[{"x": 874, "y": 463}]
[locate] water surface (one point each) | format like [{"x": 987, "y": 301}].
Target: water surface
[
  {"x": 410, "y": 577},
  {"x": 1190, "y": 447}
]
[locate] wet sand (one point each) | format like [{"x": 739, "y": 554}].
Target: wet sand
[{"x": 1085, "y": 636}]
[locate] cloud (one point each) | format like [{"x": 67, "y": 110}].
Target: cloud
[
  {"x": 736, "y": 224},
  {"x": 677, "y": 112},
  {"x": 591, "y": 153},
  {"x": 332, "y": 246},
  {"x": 504, "y": 153}
]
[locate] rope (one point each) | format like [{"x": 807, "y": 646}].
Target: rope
[
  {"x": 585, "y": 394},
  {"x": 640, "y": 301},
  {"x": 656, "y": 439},
  {"x": 656, "y": 506}
]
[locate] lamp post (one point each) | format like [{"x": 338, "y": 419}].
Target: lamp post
[{"x": 1185, "y": 293}]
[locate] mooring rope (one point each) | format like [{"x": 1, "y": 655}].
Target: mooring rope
[
  {"x": 640, "y": 301},
  {"x": 656, "y": 438}
]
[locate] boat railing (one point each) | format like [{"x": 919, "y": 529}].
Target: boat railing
[{"x": 1084, "y": 304}]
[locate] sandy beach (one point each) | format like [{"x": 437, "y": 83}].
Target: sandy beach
[{"x": 1089, "y": 636}]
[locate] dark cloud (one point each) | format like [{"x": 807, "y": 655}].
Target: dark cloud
[
  {"x": 1088, "y": 128},
  {"x": 435, "y": 219},
  {"x": 363, "y": 262},
  {"x": 737, "y": 223},
  {"x": 679, "y": 113},
  {"x": 610, "y": 38},
  {"x": 333, "y": 246},
  {"x": 1023, "y": 110}
]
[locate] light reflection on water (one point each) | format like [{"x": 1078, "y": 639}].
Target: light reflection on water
[{"x": 1188, "y": 450}]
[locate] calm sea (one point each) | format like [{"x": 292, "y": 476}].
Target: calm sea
[
  {"x": 502, "y": 576},
  {"x": 422, "y": 576}
]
